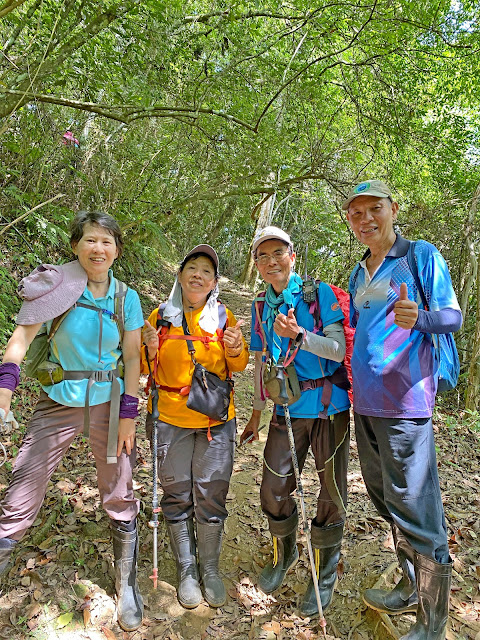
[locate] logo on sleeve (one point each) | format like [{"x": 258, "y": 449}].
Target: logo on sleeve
[{"x": 335, "y": 306}]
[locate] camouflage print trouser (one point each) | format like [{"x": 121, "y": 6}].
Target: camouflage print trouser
[{"x": 329, "y": 440}]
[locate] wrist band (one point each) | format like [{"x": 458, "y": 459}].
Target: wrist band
[
  {"x": 128, "y": 406},
  {"x": 9, "y": 376}
]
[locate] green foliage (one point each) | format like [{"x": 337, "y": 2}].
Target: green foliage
[{"x": 8, "y": 305}]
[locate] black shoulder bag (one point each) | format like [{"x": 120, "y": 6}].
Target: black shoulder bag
[{"x": 209, "y": 394}]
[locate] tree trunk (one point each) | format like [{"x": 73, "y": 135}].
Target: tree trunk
[
  {"x": 472, "y": 394},
  {"x": 264, "y": 219}
]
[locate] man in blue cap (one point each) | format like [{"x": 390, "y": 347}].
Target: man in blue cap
[{"x": 395, "y": 377}]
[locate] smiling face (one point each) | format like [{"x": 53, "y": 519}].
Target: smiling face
[
  {"x": 96, "y": 250},
  {"x": 371, "y": 220},
  {"x": 197, "y": 279},
  {"x": 274, "y": 263}
]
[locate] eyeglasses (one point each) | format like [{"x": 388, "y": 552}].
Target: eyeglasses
[{"x": 277, "y": 255}]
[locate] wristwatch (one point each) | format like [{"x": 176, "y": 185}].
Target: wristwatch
[{"x": 299, "y": 338}]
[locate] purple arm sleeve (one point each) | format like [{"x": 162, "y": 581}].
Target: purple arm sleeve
[
  {"x": 9, "y": 376},
  {"x": 128, "y": 407},
  {"x": 443, "y": 321}
]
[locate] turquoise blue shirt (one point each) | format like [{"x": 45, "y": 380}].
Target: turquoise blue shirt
[
  {"x": 75, "y": 346},
  {"x": 308, "y": 365}
]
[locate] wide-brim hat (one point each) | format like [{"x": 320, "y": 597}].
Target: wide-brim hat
[
  {"x": 49, "y": 291},
  {"x": 270, "y": 233},
  {"x": 375, "y": 188},
  {"x": 203, "y": 248}
]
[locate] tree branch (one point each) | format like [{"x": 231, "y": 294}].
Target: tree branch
[
  {"x": 284, "y": 85},
  {"x": 127, "y": 118},
  {"x": 24, "y": 215},
  {"x": 10, "y": 5}
]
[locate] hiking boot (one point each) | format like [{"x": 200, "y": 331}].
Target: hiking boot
[
  {"x": 403, "y": 597},
  {"x": 129, "y": 600},
  {"x": 209, "y": 540},
  {"x": 6, "y": 547},
  {"x": 182, "y": 541},
  {"x": 326, "y": 544},
  {"x": 433, "y": 587},
  {"x": 285, "y": 553}
]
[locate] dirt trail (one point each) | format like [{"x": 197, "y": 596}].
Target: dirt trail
[{"x": 61, "y": 583}]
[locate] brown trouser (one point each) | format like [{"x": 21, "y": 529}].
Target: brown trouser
[
  {"x": 329, "y": 439},
  {"x": 51, "y": 431}
]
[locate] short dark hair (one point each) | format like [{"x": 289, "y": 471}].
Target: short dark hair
[
  {"x": 194, "y": 256},
  {"x": 104, "y": 220}
]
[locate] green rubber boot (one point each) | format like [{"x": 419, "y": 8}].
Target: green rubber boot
[{"x": 285, "y": 553}]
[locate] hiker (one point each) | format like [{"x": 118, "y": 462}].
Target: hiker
[
  {"x": 320, "y": 418},
  {"x": 89, "y": 391},
  {"x": 195, "y": 451},
  {"x": 394, "y": 387}
]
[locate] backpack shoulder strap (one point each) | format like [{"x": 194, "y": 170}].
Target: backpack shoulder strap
[
  {"x": 412, "y": 265},
  {"x": 56, "y": 322},
  {"x": 119, "y": 301},
  {"x": 355, "y": 276},
  {"x": 259, "y": 302},
  {"x": 160, "y": 321},
  {"x": 314, "y": 308}
]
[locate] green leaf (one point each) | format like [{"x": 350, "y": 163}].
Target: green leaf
[{"x": 64, "y": 619}]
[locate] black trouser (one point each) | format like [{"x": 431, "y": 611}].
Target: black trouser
[
  {"x": 399, "y": 466},
  {"x": 329, "y": 439},
  {"x": 194, "y": 471}
]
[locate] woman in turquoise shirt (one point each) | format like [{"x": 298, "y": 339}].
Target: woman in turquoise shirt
[{"x": 85, "y": 387}]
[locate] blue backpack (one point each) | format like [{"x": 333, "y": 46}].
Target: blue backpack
[{"x": 444, "y": 343}]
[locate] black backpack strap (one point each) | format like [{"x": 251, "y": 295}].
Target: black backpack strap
[
  {"x": 160, "y": 321},
  {"x": 355, "y": 276}
]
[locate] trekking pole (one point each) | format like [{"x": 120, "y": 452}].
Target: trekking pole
[
  {"x": 155, "y": 508},
  {"x": 291, "y": 440}
]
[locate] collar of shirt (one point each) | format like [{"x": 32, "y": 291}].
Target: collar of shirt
[{"x": 398, "y": 249}]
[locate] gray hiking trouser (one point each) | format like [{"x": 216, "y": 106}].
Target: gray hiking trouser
[
  {"x": 330, "y": 440},
  {"x": 49, "y": 434},
  {"x": 195, "y": 472},
  {"x": 399, "y": 466}
]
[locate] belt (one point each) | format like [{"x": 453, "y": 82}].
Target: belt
[
  {"x": 101, "y": 376},
  {"x": 183, "y": 391}
]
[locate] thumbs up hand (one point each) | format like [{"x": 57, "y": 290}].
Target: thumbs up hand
[
  {"x": 233, "y": 339},
  {"x": 286, "y": 326},
  {"x": 406, "y": 311}
]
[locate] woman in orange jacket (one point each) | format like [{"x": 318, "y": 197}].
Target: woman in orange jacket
[{"x": 194, "y": 452}]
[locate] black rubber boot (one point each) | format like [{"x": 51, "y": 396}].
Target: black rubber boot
[
  {"x": 403, "y": 597},
  {"x": 209, "y": 539},
  {"x": 6, "y": 547},
  {"x": 130, "y": 603},
  {"x": 433, "y": 587},
  {"x": 326, "y": 544},
  {"x": 285, "y": 553},
  {"x": 182, "y": 541}
]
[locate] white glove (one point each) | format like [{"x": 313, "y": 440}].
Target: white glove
[{"x": 7, "y": 422}]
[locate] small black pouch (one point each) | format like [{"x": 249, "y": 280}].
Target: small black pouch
[{"x": 209, "y": 394}]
